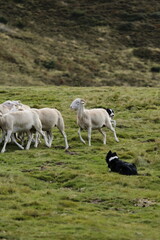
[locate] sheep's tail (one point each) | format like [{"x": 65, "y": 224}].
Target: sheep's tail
[
  {"x": 60, "y": 123},
  {"x": 61, "y": 127}
]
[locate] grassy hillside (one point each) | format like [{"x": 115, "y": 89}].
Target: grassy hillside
[
  {"x": 80, "y": 43},
  {"x": 53, "y": 194}
]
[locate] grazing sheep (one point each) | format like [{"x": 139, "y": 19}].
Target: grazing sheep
[
  {"x": 51, "y": 117},
  {"x": 89, "y": 119},
  {"x": 20, "y": 121}
]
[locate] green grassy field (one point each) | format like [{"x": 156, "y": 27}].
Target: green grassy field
[{"x": 53, "y": 194}]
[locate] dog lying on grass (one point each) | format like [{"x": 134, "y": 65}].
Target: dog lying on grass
[{"x": 116, "y": 165}]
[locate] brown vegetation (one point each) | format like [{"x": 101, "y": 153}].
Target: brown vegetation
[{"x": 80, "y": 43}]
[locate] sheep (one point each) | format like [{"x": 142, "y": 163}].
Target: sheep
[
  {"x": 51, "y": 117},
  {"x": 110, "y": 113},
  {"x": 20, "y": 121},
  {"x": 12, "y": 106},
  {"x": 15, "y": 105},
  {"x": 89, "y": 119},
  {"x": 3, "y": 109}
]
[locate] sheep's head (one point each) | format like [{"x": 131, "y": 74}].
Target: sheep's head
[
  {"x": 11, "y": 104},
  {"x": 77, "y": 103}
]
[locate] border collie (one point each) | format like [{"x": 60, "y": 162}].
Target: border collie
[
  {"x": 111, "y": 114},
  {"x": 116, "y": 165}
]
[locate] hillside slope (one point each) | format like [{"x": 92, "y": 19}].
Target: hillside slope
[{"x": 80, "y": 43}]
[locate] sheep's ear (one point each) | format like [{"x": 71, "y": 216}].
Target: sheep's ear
[{"x": 82, "y": 101}]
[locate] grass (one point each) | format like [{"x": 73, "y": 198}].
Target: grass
[{"x": 53, "y": 194}]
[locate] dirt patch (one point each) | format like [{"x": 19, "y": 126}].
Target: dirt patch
[{"x": 144, "y": 202}]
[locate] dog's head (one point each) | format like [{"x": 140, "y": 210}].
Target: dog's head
[
  {"x": 110, "y": 112},
  {"x": 111, "y": 156}
]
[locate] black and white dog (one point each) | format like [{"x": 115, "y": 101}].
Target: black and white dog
[
  {"x": 116, "y": 165},
  {"x": 111, "y": 114}
]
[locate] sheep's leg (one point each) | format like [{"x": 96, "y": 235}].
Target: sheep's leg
[
  {"x": 114, "y": 132},
  {"x": 6, "y": 140},
  {"x": 3, "y": 136},
  {"x": 104, "y": 135},
  {"x": 89, "y": 135},
  {"x": 37, "y": 139},
  {"x": 15, "y": 141},
  {"x": 60, "y": 126},
  {"x": 79, "y": 133},
  {"x": 44, "y": 136},
  {"x": 50, "y": 137},
  {"x": 115, "y": 136},
  {"x": 30, "y": 137},
  {"x": 114, "y": 123},
  {"x": 20, "y": 137},
  {"x": 65, "y": 138},
  {"x": 109, "y": 125},
  {"x": 1, "y": 139}
]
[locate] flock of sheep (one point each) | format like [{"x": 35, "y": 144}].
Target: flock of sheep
[{"x": 18, "y": 120}]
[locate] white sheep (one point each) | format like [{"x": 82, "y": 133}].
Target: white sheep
[
  {"x": 15, "y": 105},
  {"x": 51, "y": 117},
  {"x": 20, "y": 121},
  {"x": 89, "y": 119},
  {"x": 3, "y": 109},
  {"x": 12, "y": 106}
]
